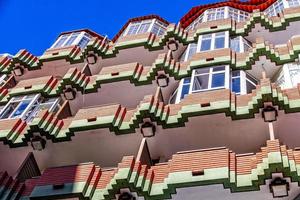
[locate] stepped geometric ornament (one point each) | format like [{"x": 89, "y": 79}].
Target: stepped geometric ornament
[
  {"x": 269, "y": 113},
  {"x": 279, "y": 187},
  {"x": 162, "y": 80},
  {"x": 148, "y": 129}
]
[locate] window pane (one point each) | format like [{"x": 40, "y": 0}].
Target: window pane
[
  {"x": 220, "y": 42},
  {"x": 186, "y": 80},
  {"x": 205, "y": 45},
  {"x": 83, "y": 42},
  {"x": 217, "y": 69},
  {"x": 192, "y": 50},
  {"x": 144, "y": 28},
  {"x": 250, "y": 87},
  {"x": 21, "y": 108},
  {"x": 61, "y": 41},
  {"x": 218, "y": 80},
  {"x": 202, "y": 71},
  {"x": 71, "y": 39},
  {"x": 235, "y": 73},
  {"x": 235, "y": 44},
  {"x": 184, "y": 91},
  {"x": 201, "y": 82},
  {"x": 9, "y": 110},
  {"x": 173, "y": 97},
  {"x": 236, "y": 85}
]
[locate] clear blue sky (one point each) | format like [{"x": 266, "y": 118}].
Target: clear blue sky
[{"x": 34, "y": 24}]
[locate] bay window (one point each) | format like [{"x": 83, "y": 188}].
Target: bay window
[
  {"x": 219, "y": 13},
  {"x": 213, "y": 41},
  {"x": 80, "y": 39},
  {"x": 239, "y": 44},
  {"x": 203, "y": 79},
  {"x": 289, "y": 76},
  {"x": 214, "y": 78},
  {"x": 27, "y": 107},
  {"x": 155, "y": 26}
]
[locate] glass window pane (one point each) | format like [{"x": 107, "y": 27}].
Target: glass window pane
[
  {"x": 202, "y": 71},
  {"x": 144, "y": 27},
  {"x": 21, "y": 108},
  {"x": 173, "y": 97},
  {"x": 217, "y": 69},
  {"x": 201, "y": 82},
  {"x": 184, "y": 91},
  {"x": 9, "y": 110},
  {"x": 61, "y": 41},
  {"x": 236, "y": 85},
  {"x": 249, "y": 86},
  {"x": 218, "y": 80},
  {"x": 71, "y": 39},
  {"x": 220, "y": 42},
  {"x": 83, "y": 42},
  {"x": 205, "y": 45},
  {"x": 186, "y": 80}
]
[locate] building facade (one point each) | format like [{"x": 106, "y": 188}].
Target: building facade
[{"x": 206, "y": 108}]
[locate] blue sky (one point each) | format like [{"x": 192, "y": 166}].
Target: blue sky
[{"x": 35, "y": 24}]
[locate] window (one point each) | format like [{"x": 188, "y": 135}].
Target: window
[
  {"x": 275, "y": 8},
  {"x": 237, "y": 15},
  {"x": 293, "y": 3},
  {"x": 209, "y": 78},
  {"x": 195, "y": 23},
  {"x": 213, "y": 41},
  {"x": 79, "y": 38},
  {"x": 158, "y": 28},
  {"x": 154, "y": 26},
  {"x": 27, "y": 107},
  {"x": 189, "y": 52},
  {"x": 213, "y": 78},
  {"x": 181, "y": 91},
  {"x": 239, "y": 44},
  {"x": 215, "y": 14},
  {"x": 242, "y": 82},
  {"x": 289, "y": 76}
]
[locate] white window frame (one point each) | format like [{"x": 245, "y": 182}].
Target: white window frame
[
  {"x": 213, "y": 40},
  {"x": 227, "y": 9},
  {"x": 152, "y": 22},
  {"x": 33, "y": 100},
  {"x": 285, "y": 76},
  {"x": 187, "y": 53},
  {"x": 271, "y": 10},
  {"x": 26, "y": 115},
  {"x": 293, "y": 3},
  {"x": 210, "y": 73},
  {"x": 79, "y": 37}
]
